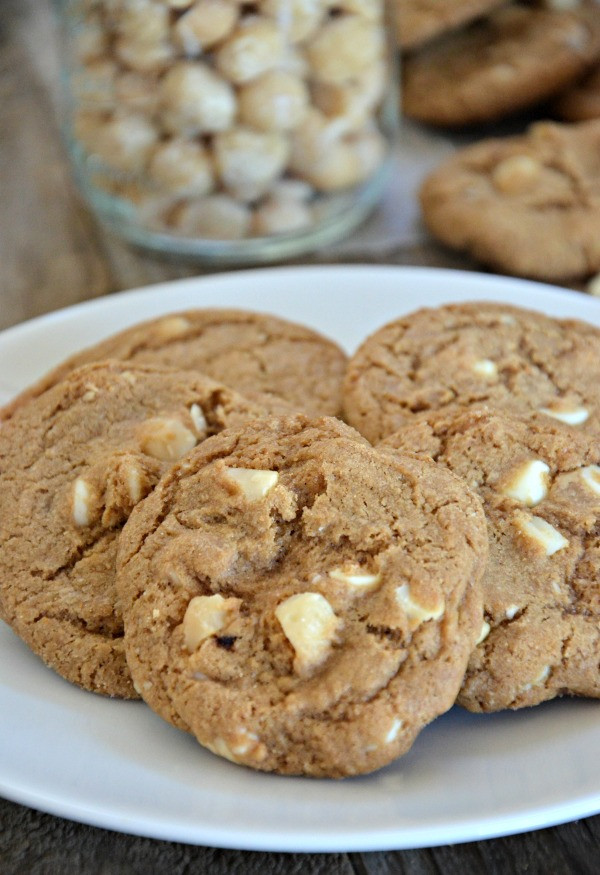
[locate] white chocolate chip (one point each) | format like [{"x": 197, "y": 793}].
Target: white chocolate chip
[
  {"x": 517, "y": 174},
  {"x": 356, "y": 579},
  {"x": 81, "y": 503},
  {"x": 205, "y": 616},
  {"x": 310, "y": 625},
  {"x": 570, "y": 415},
  {"x": 485, "y": 631},
  {"x": 243, "y": 744},
  {"x": 528, "y": 483},
  {"x": 255, "y": 484},
  {"x": 166, "y": 439},
  {"x": 591, "y": 477},
  {"x": 172, "y": 327},
  {"x": 393, "y": 731},
  {"x": 539, "y": 680},
  {"x": 134, "y": 483},
  {"x": 542, "y": 533},
  {"x": 198, "y": 419},
  {"x": 511, "y": 611},
  {"x": 416, "y": 612},
  {"x": 155, "y": 613},
  {"x": 485, "y": 368},
  {"x": 593, "y": 287}
]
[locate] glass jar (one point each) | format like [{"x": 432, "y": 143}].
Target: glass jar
[{"x": 230, "y": 131}]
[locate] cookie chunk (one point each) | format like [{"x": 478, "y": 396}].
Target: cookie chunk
[
  {"x": 299, "y": 601},
  {"x": 251, "y": 352},
  {"x": 422, "y": 20},
  {"x": 73, "y": 464},
  {"x": 527, "y": 205},
  {"x": 581, "y": 102},
  {"x": 540, "y": 487},
  {"x": 516, "y": 57},
  {"x": 472, "y": 354}
]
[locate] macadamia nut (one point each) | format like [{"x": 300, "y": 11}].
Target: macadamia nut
[
  {"x": 206, "y": 23},
  {"x": 248, "y": 162},
  {"x": 345, "y": 48},
  {"x": 256, "y": 46},
  {"x": 194, "y": 100},
  {"x": 276, "y": 101},
  {"x": 182, "y": 167}
]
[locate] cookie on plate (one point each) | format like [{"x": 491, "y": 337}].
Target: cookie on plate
[
  {"x": 540, "y": 487},
  {"x": 73, "y": 464},
  {"x": 581, "y": 102},
  {"x": 251, "y": 352},
  {"x": 472, "y": 354},
  {"x": 514, "y": 58},
  {"x": 526, "y": 205},
  {"x": 419, "y": 21},
  {"x": 299, "y": 601}
]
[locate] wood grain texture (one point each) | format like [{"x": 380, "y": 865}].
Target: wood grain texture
[{"x": 53, "y": 253}]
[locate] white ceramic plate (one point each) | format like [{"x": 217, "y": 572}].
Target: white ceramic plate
[{"x": 115, "y": 764}]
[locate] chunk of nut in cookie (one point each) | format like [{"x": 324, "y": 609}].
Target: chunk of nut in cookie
[
  {"x": 485, "y": 368},
  {"x": 166, "y": 439},
  {"x": 205, "y": 616},
  {"x": 172, "y": 327},
  {"x": 310, "y": 625},
  {"x": 484, "y": 632},
  {"x": 356, "y": 578},
  {"x": 528, "y": 482},
  {"x": 82, "y": 512},
  {"x": 517, "y": 174},
  {"x": 591, "y": 477},
  {"x": 571, "y": 414},
  {"x": 254, "y": 483},
  {"x": 416, "y": 612},
  {"x": 199, "y": 419},
  {"x": 541, "y": 534},
  {"x": 539, "y": 680}
]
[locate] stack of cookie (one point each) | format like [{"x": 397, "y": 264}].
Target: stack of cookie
[
  {"x": 300, "y": 593},
  {"x": 475, "y": 63}
]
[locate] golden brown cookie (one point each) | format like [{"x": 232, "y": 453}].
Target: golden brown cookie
[
  {"x": 471, "y": 354},
  {"x": 299, "y": 601},
  {"x": 581, "y": 102},
  {"x": 527, "y": 205},
  {"x": 73, "y": 464},
  {"x": 251, "y": 352},
  {"x": 540, "y": 487},
  {"x": 421, "y": 20},
  {"x": 517, "y": 56}
]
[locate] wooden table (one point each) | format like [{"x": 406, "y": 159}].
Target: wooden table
[{"x": 53, "y": 254}]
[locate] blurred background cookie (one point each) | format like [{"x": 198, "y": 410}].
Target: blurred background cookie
[
  {"x": 525, "y": 205},
  {"x": 581, "y": 102},
  {"x": 421, "y": 20},
  {"x": 515, "y": 57}
]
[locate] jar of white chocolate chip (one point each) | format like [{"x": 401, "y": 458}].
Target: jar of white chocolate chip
[{"x": 227, "y": 130}]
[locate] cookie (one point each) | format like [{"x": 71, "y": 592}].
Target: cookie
[
  {"x": 526, "y": 205},
  {"x": 540, "y": 487},
  {"x": 251, "y": 352},
  {"x": 73, "y": 463},
  {"x": 421, "y": 20},
  {"x": 471, "y": 354},
  {"x": 299, "y": 601},
  {"x": 514, "y": 58},
  {"x": 581, "y": 102}
]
